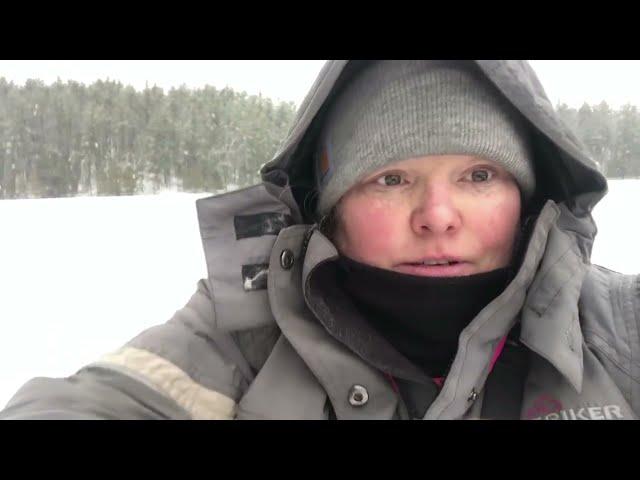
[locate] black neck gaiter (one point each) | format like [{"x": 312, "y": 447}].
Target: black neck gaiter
[{"x": 422, "y": 317}]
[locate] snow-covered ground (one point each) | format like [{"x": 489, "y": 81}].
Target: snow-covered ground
[
  {"x": 616, "y": 245},
  {"x": 81, "y": 276}
]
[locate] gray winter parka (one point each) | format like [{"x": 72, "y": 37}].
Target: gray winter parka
[{"x": 258, "y": 340}]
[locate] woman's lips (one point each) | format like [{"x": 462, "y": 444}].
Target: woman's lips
[{"x": 457, "y": 269}]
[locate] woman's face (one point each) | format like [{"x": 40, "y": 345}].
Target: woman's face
[{"x": 444, "y": 215}]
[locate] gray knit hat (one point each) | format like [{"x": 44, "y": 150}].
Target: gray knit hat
[{"x": 399, "y": 109}]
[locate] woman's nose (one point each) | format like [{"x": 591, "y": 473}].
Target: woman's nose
[{"x": 435, "y": 212}]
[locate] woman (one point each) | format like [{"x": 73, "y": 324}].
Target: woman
[{"x": 419, "y": 249}]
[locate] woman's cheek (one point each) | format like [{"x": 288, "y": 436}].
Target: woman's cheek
[
  {"x": 497, "y": 231},
  {"x": 371, "y": 228}
]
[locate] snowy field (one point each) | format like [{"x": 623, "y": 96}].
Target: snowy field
[{"x": 81, "y": 276}]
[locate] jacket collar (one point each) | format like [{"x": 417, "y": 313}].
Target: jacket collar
[
  {"x": 550, "y": 318},
  {"x": 336, "y": 312},
  {"x": 334, "y": 366}
]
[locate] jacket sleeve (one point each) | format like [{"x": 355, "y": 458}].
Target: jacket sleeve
[
  {"x": 183, "y": 369},
  {"x": 610, "y": 317}
]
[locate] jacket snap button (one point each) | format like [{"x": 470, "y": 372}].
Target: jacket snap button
[
  {"x": 473, "y": 396},
  {"x": 358, "y": 396},
  {"x": 286, "y": 259}
]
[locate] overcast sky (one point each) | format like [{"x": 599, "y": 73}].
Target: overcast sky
[{"x": 571, "y": 81}]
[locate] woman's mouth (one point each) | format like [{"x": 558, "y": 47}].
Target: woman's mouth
[{"x": 436, "y": 268}]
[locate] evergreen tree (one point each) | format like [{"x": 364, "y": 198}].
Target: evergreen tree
[
  {"x": 107, "y": 139},
  {"x": 626, "y": 159}
]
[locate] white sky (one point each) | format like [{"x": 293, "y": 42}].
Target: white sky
[{"x": 571, "y": 81}]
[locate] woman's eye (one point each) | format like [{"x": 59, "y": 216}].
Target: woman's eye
[
  {"x": 389, "y": 180},
  {"x": 481, "y": 175}
]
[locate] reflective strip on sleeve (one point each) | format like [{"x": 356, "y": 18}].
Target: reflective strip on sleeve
[{"x": 202, "y": 403}]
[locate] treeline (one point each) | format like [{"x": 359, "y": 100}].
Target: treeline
[
  {"x": 109, "y": 139},
  {"x": 612, "y": 136}
]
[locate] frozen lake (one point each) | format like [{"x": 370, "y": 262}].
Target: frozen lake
[{"x": 81, "y": 276}]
